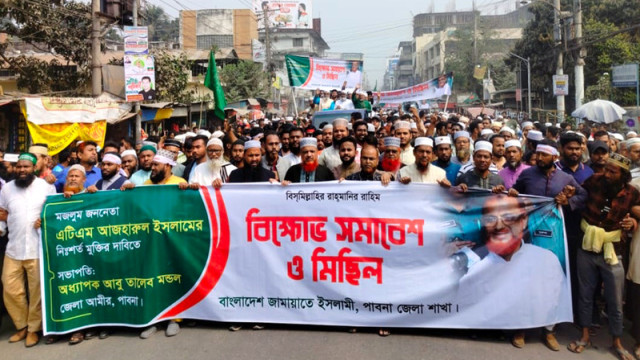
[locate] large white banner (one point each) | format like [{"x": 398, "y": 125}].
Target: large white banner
[
  {"x": 325, "y": 74},
  {"x": 346, "y": 254}
]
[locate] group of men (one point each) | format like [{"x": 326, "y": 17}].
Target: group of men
[{"x": 590, "y": 173}]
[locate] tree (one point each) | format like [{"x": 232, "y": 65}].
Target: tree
[
  {"x": 161, "y": 27},
  {"x": 60, "y": 28},
  {"x": 243, "y": 80},
  {"x": 172, "y": 77}
]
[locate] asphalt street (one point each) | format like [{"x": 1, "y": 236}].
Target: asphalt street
[{"x": 215, "y": 341}]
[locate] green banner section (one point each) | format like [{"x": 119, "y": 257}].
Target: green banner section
[
  {"x": 298, "y": 69},
  {"x": 122, "y": 259}
]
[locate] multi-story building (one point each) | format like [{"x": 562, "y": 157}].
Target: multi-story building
[
  {"x": 224, "y": 28},
  {"x": 403, "y": 76}
]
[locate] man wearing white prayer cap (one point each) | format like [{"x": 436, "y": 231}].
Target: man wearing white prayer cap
[
  {"x": 421, "y": 170},
  {"x": 486, "y": 133},
  {"x": 330, "y": 156},
  {"x": 391, "y": 162},
  {"x": 252, "y": 170},
  {"x": 462, "y": 144},
  {"x": 129, "y": 161},
  {"x": 514, "y": 165},
  {"x": 308, "y": 170},
  {"x": 508, "y": 133},
  {"x": 480, "y": 176},
  {"x": 111, "y": 179},
  {"x": 444, "y": 152},
  {"x": 631, "y": 134},
  {"x": 402, "y": 130},
  {"x": 215, "y": 170}
]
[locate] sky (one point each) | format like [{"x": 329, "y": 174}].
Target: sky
[{"x": 372, "y": 27}]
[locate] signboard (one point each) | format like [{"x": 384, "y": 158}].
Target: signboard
[
  {"x": 342, "y": 254},
  {"x": 325, "y": 74},
  {"x": 140, "y": 78},
  {"x": 432, "y": 89},
  {"x": 258, "y": 50},
  {"x": 287, "y": 14},
  {"x": 560, "y": 85},
  {"x": 625, "y": 75},
  {"x": 136, "y": 40}
]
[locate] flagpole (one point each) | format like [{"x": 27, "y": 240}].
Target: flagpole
[
  {"x": 295, "y": 103},
  {"x": 446, "y": 104}
]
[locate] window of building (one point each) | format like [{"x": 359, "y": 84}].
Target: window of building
[
  {"x": 298, "y": 42},
  {"x": 205, "y": 42}
]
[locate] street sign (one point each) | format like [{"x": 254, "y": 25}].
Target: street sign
[{"x": 625, "y": 75}]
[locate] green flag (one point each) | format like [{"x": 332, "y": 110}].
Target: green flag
[
  {"x": 212, "y": 81},
  {"x": 375, "y": 88}
]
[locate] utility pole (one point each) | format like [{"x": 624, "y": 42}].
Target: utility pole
[
  {"x": 559, "y": 66},
  {"x": 475, "y": 30},
  {"x": 581, "y": 52},
  {"x": 136, "y": 105},
  {"x": 96, "y": 67}
]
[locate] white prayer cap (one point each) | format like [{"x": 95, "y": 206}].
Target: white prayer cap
[
  {"x": 497, "y": 124},
  {"x": 362, "y": 92},
  {"x": 631, "y": 134},
  {"x": 11, "y": 158},
  {"x": 500, "y": 117},
  {"x": 483, "y": 146},
  {"x": 485, "y": 132},
  {"x": 129, "y": 153},
  {"x": 215, "y": 141},
  {"x": 371, "y": 128},
  {"x": 327, "y": 127},
  {"x": 204, "y": 132},
  {"x": 308, "y": 141},
  {"x": 547, "y": 149},
  {"x": 350, "y": 126},
  {"x": 340, "y": 122},
  {"x": 442, "y": 140},
  {"x": 461, "y": 134},
  {"x": 633, "y": 141},
  {"x": 392, "y": 141},
  {"x": 258, "y": 137},
  {"x": 112, "y": 158},
  {"x": 511, "y": 143},
  {"x": 414, "y": 125},
  {"x": 508, "y": 129},
  {"x": 190, "y": 134},
  {"x": 288, "y": 118},
  {"x": 402, "y": 125},
  {"x": 164, "y": 157},
  {"x": 79, "y": 168},
  {"x": 423, "y": 141},
  {"x": 548, "y": 124},
  {"x": 251, "y": 144},
  {"x": 464, "y": 119},
  {"x": 527, "y": 123},
  {"x": 535, "y": 135},
  {"x": 218, "y": 134},
  {"x": 617, "y": 136}
]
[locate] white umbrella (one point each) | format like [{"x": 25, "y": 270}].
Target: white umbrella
[{"x": 600, "y": 111}]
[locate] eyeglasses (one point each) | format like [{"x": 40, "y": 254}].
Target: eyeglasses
[
  {"x": 507, "y": 219},
  {"x": 214, "y": 151}
]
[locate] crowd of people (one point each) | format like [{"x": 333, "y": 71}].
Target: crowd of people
[{"x": 592, "y": 173}]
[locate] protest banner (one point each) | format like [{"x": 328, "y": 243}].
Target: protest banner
[
  {"x": 284, "y": 14},
  {"x": 325, "y": 74},
  {"x": 348, "y": 254},
  {"x": 136, "y": 40},
  {"x": 432, "y": 89}
]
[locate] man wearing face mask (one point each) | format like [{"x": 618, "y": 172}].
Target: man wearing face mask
[{"x": 343, "y": 103}]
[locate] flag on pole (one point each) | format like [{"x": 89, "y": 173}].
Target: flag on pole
[
  {"x": 375, "y": 88},
  {"x": 212, "y": 82}
]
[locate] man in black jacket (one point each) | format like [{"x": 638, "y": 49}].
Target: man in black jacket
[{"x": 309, "y": 170}]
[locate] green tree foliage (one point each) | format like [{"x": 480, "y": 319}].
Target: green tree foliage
[
  {"x": 172, "y": 77},
  {"x": 601, "y": 18},
  {"x": 243, "y": 80},
  {"x": 161, "y": 26},
  {"x": 63, "y": 29}
]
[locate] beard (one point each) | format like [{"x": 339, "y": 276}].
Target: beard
[
  {"x": 422, "y": 168},
  {"x": 310, "y": 167},
  {"x": 543, "y": 166},
  {"x": 107, "y": 176},
  {"x": 157, "y": 178},
  {"x": 513, "y": 165},
  {"x": 463, "y": 154},
  {"x": 74, "y": 188},
  {"x": 295, "y": 149},
  {"x": 391, "y": 165},
  {"x": 214, "y": 164},
  {"x": 145, "y": 167},
  {"x": 348, "y": 162},
  {"x": 25, "y": 182}
]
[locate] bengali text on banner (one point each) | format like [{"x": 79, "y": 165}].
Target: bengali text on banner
[{"x": 346, "y": 254}]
